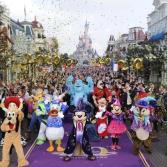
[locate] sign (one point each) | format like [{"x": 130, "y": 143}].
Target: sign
[
  {"x": 46, "y": 69},
  {"x": 115, "y": 67}
]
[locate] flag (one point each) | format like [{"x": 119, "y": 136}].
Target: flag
[{"x": 25, "y": 14}]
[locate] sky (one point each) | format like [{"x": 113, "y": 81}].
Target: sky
[{"x": 65, "y": 19}]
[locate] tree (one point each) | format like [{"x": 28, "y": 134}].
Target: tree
[
  {"x": 2, "y": 10},
  {"x": 55, "y": 45}
]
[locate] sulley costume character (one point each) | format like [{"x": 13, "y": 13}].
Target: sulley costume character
[{"x": 79, "y": 90}]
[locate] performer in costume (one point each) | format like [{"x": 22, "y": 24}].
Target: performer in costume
[
  {"x": 116, "y": 126},
  {"x": 102, "y": 119},
  {"x": 79, "y": 89},
  {"x": 11, "y": 126},
  {"x": 78, "y": 141},
  {"x": 42, "y": 112},
  {"x": 39, "y": 96},
  {"x": 55, "y": 130},
  {"x": 101, "y": 91},
  {"x": 141, "y": 126}
]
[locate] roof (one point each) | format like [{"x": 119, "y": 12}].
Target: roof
[
  {"x": 16, "y": 26},
  {"x": 36, "y": 24},
  {"x": 25, "y": 22}
]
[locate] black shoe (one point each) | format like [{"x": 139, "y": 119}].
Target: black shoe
[
  {"x": 91, "y": 158},
  {"x": 2, "y": 142},
  {"x": 23, "y": 141},
  {"x": 66, "y": 158},
  {"x": 28, "y": 135},
  {"x": 149, "y": 151}
]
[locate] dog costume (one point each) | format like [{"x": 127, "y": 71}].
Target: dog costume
[{"x": 11, "y": 126}]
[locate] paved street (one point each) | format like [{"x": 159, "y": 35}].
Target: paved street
[{"x": 105, "y": 156}]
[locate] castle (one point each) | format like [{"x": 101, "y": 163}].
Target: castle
[{"x": 84, "y": 51}]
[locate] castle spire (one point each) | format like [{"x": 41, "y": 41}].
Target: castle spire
[{"x": 86, "y": 28}]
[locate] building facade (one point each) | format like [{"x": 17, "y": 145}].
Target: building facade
[
  {"x": 157, "y": 30},
  {"x": 136, "y": 35},
  {"x": 39, "y": 37},
  {"x": 157, "y": 21},
  {"x": 111, "y": 45}
]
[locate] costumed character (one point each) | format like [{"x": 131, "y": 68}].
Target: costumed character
[
  {"x": 55, "y": 130},
  {"x": 102, "y": 119},
  {"x": 11, "y": 126},
  {"x": 42, "y": 112},
  {"x": 33, "y": 106},
  {"x": 141, "y": 126},
  {"x": 78, "y": 89},
  {"x": 78, "y": 141},
  {"x": 101, "y": 91},
  {"x": 116, "y": 126}
]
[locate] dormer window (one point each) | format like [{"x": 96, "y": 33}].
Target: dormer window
[{"x": 39, "y": 35}]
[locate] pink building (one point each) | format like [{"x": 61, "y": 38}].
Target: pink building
[{"x": 136, "y": 34}]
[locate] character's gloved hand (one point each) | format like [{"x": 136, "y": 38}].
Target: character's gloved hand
[
  {"x": 98, "y": 115},
  {"x": 61, "y": 115},
  {"x": 70, "y": 78},
  {"x": 89, "y": 80},
  {"x": 39, "y": 112}
]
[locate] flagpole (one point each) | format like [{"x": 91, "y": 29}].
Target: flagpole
[{"x": 25, "y": 13}]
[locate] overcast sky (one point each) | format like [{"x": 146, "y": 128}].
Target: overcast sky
[{"x": 65, "y": 19}]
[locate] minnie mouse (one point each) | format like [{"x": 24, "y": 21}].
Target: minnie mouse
[{"x": 116, "y": 126}]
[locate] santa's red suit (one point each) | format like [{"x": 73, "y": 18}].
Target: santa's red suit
[
  {"x": 99, "y": 93},
  {"x": 102, "y": 124}
]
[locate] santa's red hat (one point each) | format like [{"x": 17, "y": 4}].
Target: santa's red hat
[{"x": 12, "y": 99}]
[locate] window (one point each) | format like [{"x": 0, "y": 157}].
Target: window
[{"x": 39, "y": 35}]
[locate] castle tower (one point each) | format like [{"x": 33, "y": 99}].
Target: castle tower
[
  {"x": 84, "y": 51},
  {"x": 86, "y": 28}
]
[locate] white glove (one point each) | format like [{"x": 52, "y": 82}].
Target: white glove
[
  {"x": 98, "y": 115},
  {"x": 61, "y": 115}
]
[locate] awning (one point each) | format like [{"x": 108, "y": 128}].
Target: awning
[{"x": 158, "y": 37}]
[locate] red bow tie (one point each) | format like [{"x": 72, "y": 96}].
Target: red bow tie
[{"x": 80, "y": 126}]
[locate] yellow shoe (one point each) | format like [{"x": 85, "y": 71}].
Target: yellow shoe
[
  {"x": 50, "y": 149},
  {"x": 60, "y": 149}
]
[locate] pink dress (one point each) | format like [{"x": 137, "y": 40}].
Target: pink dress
[{"x": 117, "y": 126}]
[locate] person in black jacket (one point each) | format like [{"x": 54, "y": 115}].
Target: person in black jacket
[{"x": 127, "y": 97}]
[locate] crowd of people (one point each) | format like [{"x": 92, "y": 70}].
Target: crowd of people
[{"x": 127, "y": 88}]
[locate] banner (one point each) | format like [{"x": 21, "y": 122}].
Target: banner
[{"x": 115, "y": 67}]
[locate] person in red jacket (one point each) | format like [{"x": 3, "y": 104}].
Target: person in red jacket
[{"x": 100, "y": 90}]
